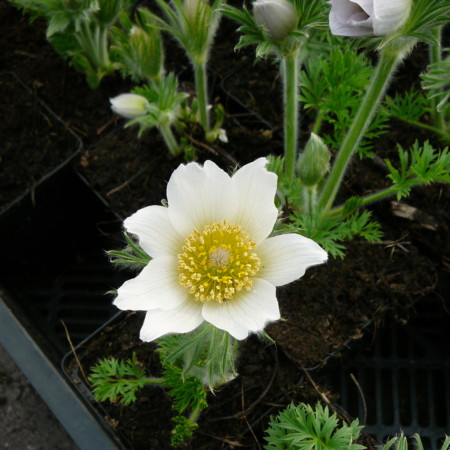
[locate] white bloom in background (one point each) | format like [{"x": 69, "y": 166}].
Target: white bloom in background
[
  {"x": 129, "y": 106},
  {"x": 213, "y": 259},
  {"x": 367, "y": 17},
  {"x": 278, "y": 17},
  {"x": 222, "y": 135}
]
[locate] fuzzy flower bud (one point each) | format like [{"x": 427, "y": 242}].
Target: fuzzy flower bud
[
  {"x": 147, "y": 56},
  {"x": 195, "y": 9},
  {"x": 314, "y": 162},
  {"x": 368, "y": 17},
  {"x": 278, "y": 17},
  {"x": 129, "y": 106}
]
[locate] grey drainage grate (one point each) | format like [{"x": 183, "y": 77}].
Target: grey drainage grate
[{"x": 404, "y": 375}]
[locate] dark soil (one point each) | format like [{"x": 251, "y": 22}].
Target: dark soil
[
  {"x": 237, "y": 414},
  {"x": 325, "y": 309}
]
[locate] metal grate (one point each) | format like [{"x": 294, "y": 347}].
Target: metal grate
[{"x": 404, "y": 375}]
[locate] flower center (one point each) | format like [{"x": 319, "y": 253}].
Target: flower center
[{"x": 218, "y": 262}]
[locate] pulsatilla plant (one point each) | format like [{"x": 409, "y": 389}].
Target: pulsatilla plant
[
  {"x": 210, "y": 268},
  {"x": 80, "y": 31},
  {"x": 137, "y": 46},
  {"x": 157, "y": 105},
  {"x": 291, "y": 32},
  {"x": 302, "y": 427},
  {"x": 193, "y": 23}
]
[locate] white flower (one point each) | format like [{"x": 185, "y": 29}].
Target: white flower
[
  {"x": 212, "y": 258},
  {"x": 278, "y": 17},
  {"x": 367, "y": 17},
  {"x": 129, "y": 106}
]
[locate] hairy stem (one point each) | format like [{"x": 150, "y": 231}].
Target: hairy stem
[
  {"x": 154, "y": 380},
  {"x": 436, "y": 57},
  {"x": 318, "y": 122},
  {"x": 375, "y": 197},
  {"x": 289, "y": 68},
  {"x": 389, "y": 59},
  {"x": 441, "y": 132},
  {"x": 309, "y": 199},
  {"x": 169, "y": 139},
  {"x": 202, "y": 94}
]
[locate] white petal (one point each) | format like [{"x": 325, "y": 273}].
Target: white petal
[
  {"x": 366, "y": 5},
  {"x": 129, "y": 106},
  {"x": 248, "y": 312},
  {"x": 198, "y": 196},
  {"x": 351, "y": 18},
  {"x": 390, "y": 15},
  {"x": 286, "y": 257},
  {"x": 156, "y": 287},
  {"x": 255, "y": 189},
  {"x": 183, "y": 319},
  {"x": 156, "y": 234}
]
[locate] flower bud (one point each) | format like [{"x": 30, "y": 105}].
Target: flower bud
[
  {"x": 278, "y": 17},
  {"x": 129, "y": 106},
  {"x": 146, "y": 53},
  {"x": 314, "y": 162},
  {"x": 367, "y": 17},
  {"x": 194, "y": 9}
]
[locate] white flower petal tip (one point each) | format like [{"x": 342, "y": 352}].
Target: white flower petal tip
[
  {"x": 156, "y": 287},
  {"x": 368, "y": 17},
  {"x": 278, "y": 17},
  {"x": 248, "y": 313},
  {"x": 286, "y": 257},
  {"x": 129, "y": 106},
  {"x": 159, "y": 323},
  {"x": 156, "y": 234},
  {"x": 213, "y": 259}
]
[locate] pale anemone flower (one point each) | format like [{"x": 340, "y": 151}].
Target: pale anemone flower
[
  {"x": 367, "y": 17},
  {"x": 129, "y": 106},
  {"x": 212, "y": 257}
]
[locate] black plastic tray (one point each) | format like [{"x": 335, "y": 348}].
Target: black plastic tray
[
  {"x": 403, "y": 373},
  {"x": 54, "y": 270}
]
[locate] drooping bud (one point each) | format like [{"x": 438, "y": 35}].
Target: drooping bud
[
  {"x": 314, "y": 162},
  {"x": 129, "y": 106},
  {"x": 368, "y": 17},
  {"x": 278, "y": 17}
]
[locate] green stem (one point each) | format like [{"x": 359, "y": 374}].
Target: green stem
[
  {"x": 103, "y": 46},
  {"x": 127, "y": 380},
  {"x": 289, "y": 68},
  {"x": 318, "y": 122},
  {"x": 154, "y": 380},
  {"x": 389, "y": 59},
  {"x": 436, "y": 57},
  {"x": 169, "y": 139},
  {"x": 309, "y": 199},
  {"x": 195, "y": 414},
  {"x": 440, "y": 132},
  {"x": 202, "y": 94},
  {"x": 375, "y": 197}
]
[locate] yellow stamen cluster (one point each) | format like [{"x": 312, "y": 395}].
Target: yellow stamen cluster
[{"x": 218, "y": 262}]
